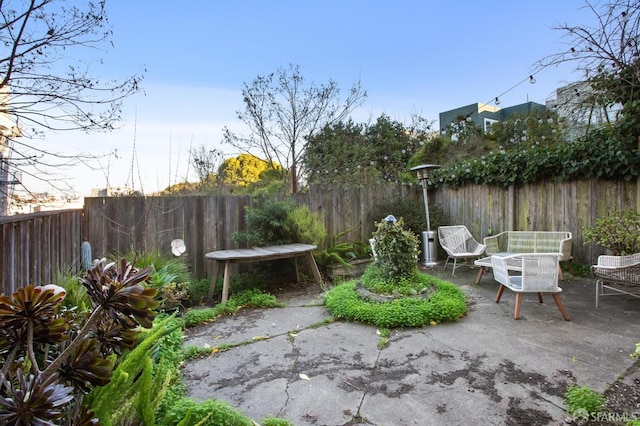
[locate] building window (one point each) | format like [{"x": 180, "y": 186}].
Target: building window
[{"x": 488, "y": 123}]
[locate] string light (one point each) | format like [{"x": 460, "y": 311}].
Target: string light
[{"x": 531, "y": 79}]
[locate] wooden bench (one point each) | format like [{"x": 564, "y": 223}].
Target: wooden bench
[
  {"x": 514, "y": 242},
  {"x": 259, "y": 254}
]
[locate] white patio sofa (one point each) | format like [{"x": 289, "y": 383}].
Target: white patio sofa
[{"x": 513, "y": 242}]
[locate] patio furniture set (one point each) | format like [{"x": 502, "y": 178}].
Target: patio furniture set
[
  {"x": 536, "y": 257},
  {"x": 522, "y": 261}
]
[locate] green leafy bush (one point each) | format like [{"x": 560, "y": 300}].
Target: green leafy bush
[
  {"x": 619, "y": 232},
  {"x": 609, "y": 152},
  {"x": 308, "y": 227},
  {"x": 396, "y": 249},
  {"x": 198, "y": 291},
  {"x": 268, "y": 224},
  {"x": 276, "y": 222},
  {"x": 582, "y": 398}
]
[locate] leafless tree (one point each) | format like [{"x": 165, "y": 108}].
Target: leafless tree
[
  {"x": 46, "y": 86},
  {"x": 282, "y": 112},
  {"x": 606, "y": 53},
  {"x": 206, "y": 162}
]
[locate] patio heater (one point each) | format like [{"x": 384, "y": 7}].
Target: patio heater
[{"x": 429, "y": 243}]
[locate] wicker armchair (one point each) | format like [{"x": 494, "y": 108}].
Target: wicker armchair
[
  {"x": 458, "y": 242},
  {"x": 539, "y": 275},
  {"x": 616, "y": 275}
]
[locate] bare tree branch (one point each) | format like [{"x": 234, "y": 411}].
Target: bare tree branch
[
  {"x": 44, "y": 86},
  {"x": 282, "y": 112}
]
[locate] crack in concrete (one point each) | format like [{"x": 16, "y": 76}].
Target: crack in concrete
[
  {"x": 365, "y": 392},
  {"x": 295, "y": 354}
]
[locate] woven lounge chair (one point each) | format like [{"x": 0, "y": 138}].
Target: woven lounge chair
[
  {"x": 458, "y": 242},
  {"x": 616, "y": 275},
  {"x": 539, "y": 274}
]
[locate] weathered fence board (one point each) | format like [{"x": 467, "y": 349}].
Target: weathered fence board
[{"x": 36, "y": 246}]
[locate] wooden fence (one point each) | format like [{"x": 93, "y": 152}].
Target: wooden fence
[
  {"x": 36, "y": 245},
  {"x": 550, "y": 206}
]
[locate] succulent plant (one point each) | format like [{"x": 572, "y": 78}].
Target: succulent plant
[{"x": 51, "y": 356}]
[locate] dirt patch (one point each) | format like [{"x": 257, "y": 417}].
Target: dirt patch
[
  {"x": 518, "y": 415},
  {"x": 622, "y": 400}
]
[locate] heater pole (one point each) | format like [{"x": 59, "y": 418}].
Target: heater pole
[{"x": 429, "y": 244}]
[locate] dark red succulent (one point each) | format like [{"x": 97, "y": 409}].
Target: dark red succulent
[{"x": 51, "y": 357}]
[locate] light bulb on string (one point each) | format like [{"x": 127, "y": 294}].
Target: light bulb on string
[
  {"x": 497, "y": 101},
  {"x": 574, "y": 52},
  {"x": 532, "y": 80}
]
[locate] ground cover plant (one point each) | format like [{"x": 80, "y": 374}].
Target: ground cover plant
[{"x": 393, "y": 292}]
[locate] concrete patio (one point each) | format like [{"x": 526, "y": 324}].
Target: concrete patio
[{"x": 299, "y": 365}]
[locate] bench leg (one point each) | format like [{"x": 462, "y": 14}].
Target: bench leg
[
  {"x": 295, "y": 264},
  {"x": 214, "y": 278},
  {"x": 225, "y": 281},
  {"x": 315, "y": 270}
]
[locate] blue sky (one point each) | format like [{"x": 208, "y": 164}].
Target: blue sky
[{"x": 419, "y": 57}]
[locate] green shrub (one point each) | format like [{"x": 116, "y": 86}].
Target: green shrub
[
  {"x": 308, "y": 227},
  {"x": 396, "y": 249},
  {"x": 619, "y": 232},
  {"x": 186, "y": 411},
  {"x": 268, "y": 224},
  {"x": 278, "y": 222},
  {"x": 582, "y": 398},
  {"x": 198, "y": 291},
  {"x": 609, "y": 152},
  {"x": 76, "y": 293},
  {"x": 134, "y": 392},
  {"x": 449, "y": 303}
]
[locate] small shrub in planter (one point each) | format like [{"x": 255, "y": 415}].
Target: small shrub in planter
[
  {"x": 393, "y": 292},
  {"x": 619, "y": 233},
  {"x": 396, "y": 249}
]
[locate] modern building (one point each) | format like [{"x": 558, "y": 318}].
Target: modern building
[
  {"x": 483, "y": 116},
  {"x": 579, "y": 105}
]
